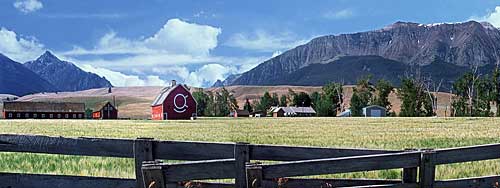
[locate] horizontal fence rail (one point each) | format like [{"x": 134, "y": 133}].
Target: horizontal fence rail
[
  {"x": 304, "y": 182},
  {"x": 341, "y": 165},
  {"x": 170, "y": 150},
  {"x": 465, "y": 154}
]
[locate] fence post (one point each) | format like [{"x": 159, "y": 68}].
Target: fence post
[
  {"x": 427, "y": 171},
  {"x": 242, "y": 157},
  {"x": 254, "y": 176},
  {"x": 143, "y": 151},
  {"x": 153, "y": 176},
  {"x": 410, "y": 174}
]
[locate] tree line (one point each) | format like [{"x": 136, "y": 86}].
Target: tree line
[{"x": 473, "y": 96}]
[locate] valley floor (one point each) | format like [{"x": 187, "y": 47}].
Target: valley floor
[{"x": 383, "y": 133}]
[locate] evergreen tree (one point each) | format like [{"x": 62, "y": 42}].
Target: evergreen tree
[
  {"x": 415, "y": 99},
  {"x": 265, "y": 103},
  {"x": 302, "y": 99},
  {"x": 329, "y": 101},
  {"x": 408, "y": 95},
  {"x": 482, "y": 107},
  {"x": 334, "y": 93},
  {"x": 325, "y": 107},
  {"x": 210, "y": 105},
  {"x": 361, "y": 97},
  {"x": 275, "y": 100},
  {"x": 357, "y": 105},
  {"x": 383, "y": 89},
  {"x": 201, "y": 102},
  {"x": 474, "y": 95},
  {"x": 283, "y": 101},
  {"x": 315, "y": 98},
  {"x": 248, "y": 107}
]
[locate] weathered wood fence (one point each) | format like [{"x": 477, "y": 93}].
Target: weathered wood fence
[
  {"x": 419, "y": 167},
  {"x": 226, "y": 160},
  {"x": 211, "y": 161}
]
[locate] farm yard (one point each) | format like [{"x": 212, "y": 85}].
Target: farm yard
[{"x": 383, "y": 133}]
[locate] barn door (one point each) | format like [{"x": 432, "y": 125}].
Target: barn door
[{"x": 165, "y": 116}]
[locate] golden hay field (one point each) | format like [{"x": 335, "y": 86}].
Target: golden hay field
[{"x": 376, "y": 133}]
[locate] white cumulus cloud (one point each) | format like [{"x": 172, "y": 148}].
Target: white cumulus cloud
[
  {"x": 19, "y": 48},
  {"x": 207, "y": 75},
  {"x": 492, "y": 17},
  {"x": 265, "y": 42},
  {"x": 179, "y": 50},
  {"x": 175, "y": 37},
  {"x": 28, "y": 6},
  {"x": 120, "y": 79}
]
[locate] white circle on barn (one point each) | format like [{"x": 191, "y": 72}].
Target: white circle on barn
[{"x": 180, "y": 108}]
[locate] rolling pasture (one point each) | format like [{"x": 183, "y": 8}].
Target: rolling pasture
[{"x": 386, "y": 133}]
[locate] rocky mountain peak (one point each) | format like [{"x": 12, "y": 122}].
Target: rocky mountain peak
[
  {"x": 65, "y": 75},
  {"x": 460, "y": 45},
  {"x": 47, "y": 58}
]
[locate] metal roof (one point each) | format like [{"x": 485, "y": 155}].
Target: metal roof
[
  {"x": 43, "y": 107},
  {"x": 164, "y": 94},
  {"x": 374, "y": 106},
  {"x": 296, "y": 110}
]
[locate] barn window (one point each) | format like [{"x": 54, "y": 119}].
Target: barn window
[
  {"x": 10, "y": 115},
  {"x": 27, "y": 115},
  {"x": 35, "y": 115},
  {"x": 80, "y": 116},
  {"x": 74, "y": 116},
  {"x": 18, "y": 115},
  {"x": 51, "y": 116},
  {"x": 59, "y": 116},
  {"x": 66, "y": 116},
  {"x": 43, "y": 115}
]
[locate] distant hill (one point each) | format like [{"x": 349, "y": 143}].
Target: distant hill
[
  {"x": 443, "y": 51},
  {"x": 18, "y": 80},
  {"x": 65, "y": 76}
]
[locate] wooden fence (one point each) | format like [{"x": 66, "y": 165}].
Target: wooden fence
[
  {"x": 233, "y": 161},
  {"x": 162, "y": 175},
  {"x": 228, "y": 159}
]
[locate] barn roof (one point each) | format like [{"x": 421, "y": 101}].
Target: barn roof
[
  {"x": 99, "y": 106},
  {"x": 242, "y": 112},
  {"x": 164, "y": 93},
  {"x": 43, "y": 107},
  {"x": 308, "y": 110},
  {"x": 295, "y": 110},
  {"x": 374, "y": 106}
]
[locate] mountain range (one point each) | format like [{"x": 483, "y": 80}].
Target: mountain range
[
  {"x": 45, "y": 74},
  {"x": 442, "y": 51}
]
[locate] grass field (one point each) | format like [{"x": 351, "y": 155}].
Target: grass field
[{"x": 386, "y": 133}]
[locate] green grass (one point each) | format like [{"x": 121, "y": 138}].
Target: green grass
[{"x": 386, "y": 133}]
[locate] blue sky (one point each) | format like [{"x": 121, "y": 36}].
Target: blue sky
[{"x": 135, "y": 43}]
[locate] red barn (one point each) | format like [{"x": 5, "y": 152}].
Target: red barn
[
  {"x": 174, "y": 102},
  {"x": 105, "y": 111}
]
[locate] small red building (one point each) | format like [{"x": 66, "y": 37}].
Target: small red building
[
  {"x": 43, "y": 110},
  {"x": 174, "y": 102},
  {"x": 105, "y": 111}
]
